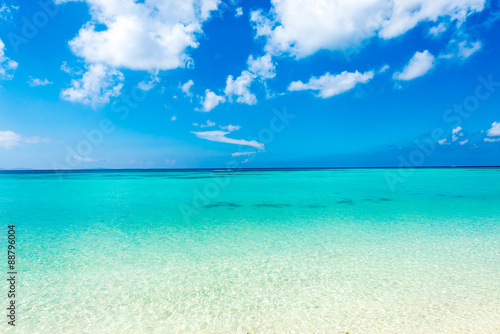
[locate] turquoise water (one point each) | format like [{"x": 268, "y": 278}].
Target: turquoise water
[{"x": 311, "y": 251}]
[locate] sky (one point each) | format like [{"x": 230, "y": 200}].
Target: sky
[{"x": 249, "y": 84}]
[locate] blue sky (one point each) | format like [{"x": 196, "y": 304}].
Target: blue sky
[{"x": 285, "y": 83}]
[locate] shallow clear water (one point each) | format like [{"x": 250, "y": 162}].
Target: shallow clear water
[{"x": 312, "y": 251}]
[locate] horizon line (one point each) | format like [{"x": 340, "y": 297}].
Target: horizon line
[{"x": 233, "y": 169}]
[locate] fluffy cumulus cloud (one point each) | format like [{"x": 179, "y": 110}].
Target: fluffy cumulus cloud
[
  {"x": 211, "y": 100},
  {"x": 263, "y": 66},
  {"x": 220, "y": 136},
  {"x": 240, "y": 87},
  {"x": 7, "y": 66},
  {"x": 303, "y": 27},
  {"x": 494, "y": 131},
  {"x": 456, "y": 134},
  {"x": 420, "y": 64},
  {"x": 141, "y": 35},
  {"x": 97, "y": 85},
  {"x": 329, "y": 85}
]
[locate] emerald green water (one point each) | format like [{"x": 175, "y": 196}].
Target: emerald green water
[{"x": 304, "y": 251}]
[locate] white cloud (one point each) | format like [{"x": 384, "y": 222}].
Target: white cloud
[
  {"x": 461, "y": 47},
  {"x": 211, "y": 100},
  {"x": 7, "y": 66},
  {"x": 444, "y": 142},
  {"x": 9, "y": 139},
  {"x": 242, "y": 154},
  {"x": 329, "y": 85},
  {"x": 384, "y": 68},
  {"x": 456, "y": 134},
  {"x": 97, "y": 85},
  {"x": 33, "y": 82},
  {"x": 186, "y": 87},
  {"x": 83, "y": 159},
  {"x": 240, "y": 87},
  {"x": 230, "y": 127},
  {"x": 173, "y": 118},
  {"x": 262, "y": 67},
  {"x": 36, "y": 140},
  {"x": 494, "y": 131},
  {"x": 68, "y": 69},
  {"x": 437, "y": 30},
  {"x": 148, "y": 85},
  {"x": 491, "y": 140},
  {"x": 238, "y": 12},
  {"x": 208, "y": 124},
  {"x": 142, "y": 35},
  {"x": 6, "y": 11},
  {"x": 220, "y": 136},
  {"x": 420, "y": 64},
  {"x": 467, "y": 48},
  {"x": 303, "y": 27}
]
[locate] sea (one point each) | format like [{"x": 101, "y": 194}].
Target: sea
[{"x": 253, "y": 251}]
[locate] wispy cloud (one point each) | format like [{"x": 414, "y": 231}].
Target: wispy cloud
[
  {"x": 220, "y": 136},
  {"x": 83, "y": 159},
  {"x": 147, "y": 85},
  {"x": 242, "y": 154},
  {"x": 9, "y": 139},
  {"x": 329, "y": 85},
  {"x": 33, "y": 82},
  {"x": 186, "y": 87},
  {"x": 208, "y": 124},
  {"x": 230, "y": 127}
]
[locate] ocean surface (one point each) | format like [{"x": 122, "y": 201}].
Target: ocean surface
[{"x": 258, "y": 251}]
